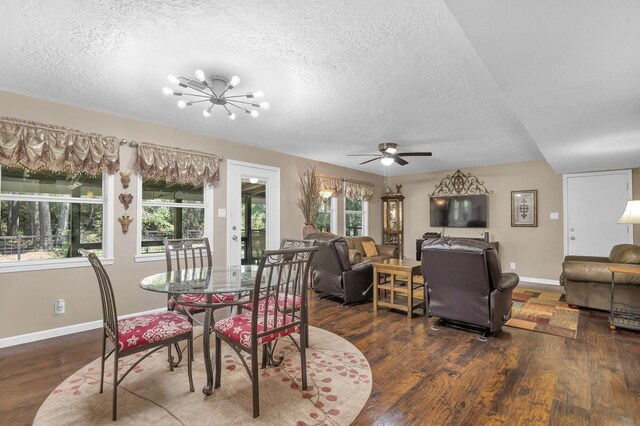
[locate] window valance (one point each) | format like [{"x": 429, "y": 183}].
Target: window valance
[
  {"x": 357, "y": 190},
  {"x": 331, "y": 184},
  {"x": 36, "y": 146},
  {"x": 177, "y": 165}
]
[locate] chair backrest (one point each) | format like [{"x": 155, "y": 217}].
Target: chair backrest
[
  {"x": 460, "y": 275},
  {"x": 187, "y": 253},
  {"x": 109, "y": 312},
  {"x": 280, "y": 283},
  {"x": 288, "y": 243}
]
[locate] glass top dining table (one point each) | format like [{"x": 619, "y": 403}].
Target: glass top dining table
[
  {"x": 219, "y": 281},
  {"x": 206, "y": 281}
]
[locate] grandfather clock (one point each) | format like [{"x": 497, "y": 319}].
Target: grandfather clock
[{"x": 392, "y": 221}]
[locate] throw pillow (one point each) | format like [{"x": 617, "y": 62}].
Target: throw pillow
[{"x": 370, "y": 248}]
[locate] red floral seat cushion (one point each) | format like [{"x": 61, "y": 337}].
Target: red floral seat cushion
[
  {"x": 238, "y": 328},
  {"x": 281, "y": 298},
  {"x": 141, "y": 330},
  {"x": 198, "y": 298}
]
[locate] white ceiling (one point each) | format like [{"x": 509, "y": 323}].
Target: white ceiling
[{"x": 343, "y": 76}]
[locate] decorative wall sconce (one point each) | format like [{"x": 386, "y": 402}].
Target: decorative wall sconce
[
  {"x": 125, "y": 178},
  {"x": 125, "y": 199},
  {"x": 125, "y": 221}
]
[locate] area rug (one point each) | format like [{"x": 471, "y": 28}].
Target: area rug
[
  {"x": 543, "y": 311},
  {"x": 339, "y": 379}
]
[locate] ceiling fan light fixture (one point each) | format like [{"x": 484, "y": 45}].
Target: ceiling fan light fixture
[
  {"x": 392, "y": 150},
  {"x": 386, "y": 161}
]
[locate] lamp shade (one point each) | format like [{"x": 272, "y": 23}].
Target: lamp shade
[{"x": 631, "y": 213}]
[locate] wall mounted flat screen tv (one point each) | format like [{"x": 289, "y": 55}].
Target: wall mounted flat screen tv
[{"x": 460, "y": 211}]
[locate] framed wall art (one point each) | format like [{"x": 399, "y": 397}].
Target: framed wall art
[{"x": 524, "y": 208}]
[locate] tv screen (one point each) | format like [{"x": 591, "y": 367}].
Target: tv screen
[{"x": 461, "y": 211}]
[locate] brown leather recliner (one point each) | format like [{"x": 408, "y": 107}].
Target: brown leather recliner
[
  {"x": 333, "y": 273},
  {"x": 587, "y": 279},
  {"x": 465, "y": 283}
]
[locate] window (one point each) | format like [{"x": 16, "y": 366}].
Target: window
[
  {"x": 326, "y": 221},
  {"x": 356, "y": 217},
  {"x": 172, "y": 210},
  {"x": 45, "y": 217}
]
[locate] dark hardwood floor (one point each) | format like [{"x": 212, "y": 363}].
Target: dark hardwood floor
[{"x": 420, "y": 376}]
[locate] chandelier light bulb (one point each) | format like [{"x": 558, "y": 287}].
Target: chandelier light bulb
[
  {"x": 182, "y": 104},
  {"x": 265, "y": 105},
  {"x": 200, "y": 75},
  {"x": 167, "y": 91},
  {"x": 235, "y": 80},
  {"x": 386, "y": 161},
  {"x": 206, "y": 113},
  {"x": 232, "y": 115},
  {"x": 172, "y": 78},
  {"x": 258, "y": 94},
  {"x": 254, "y": 113}
]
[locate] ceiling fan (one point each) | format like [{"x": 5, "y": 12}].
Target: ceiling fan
[{"x": 389, "y": 154}]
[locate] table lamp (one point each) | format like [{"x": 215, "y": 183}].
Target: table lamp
[{"x": 631, "y": 214}]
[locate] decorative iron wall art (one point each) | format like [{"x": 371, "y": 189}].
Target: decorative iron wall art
[
  {"x": 524, "y": 208},
  {"x": 460, "y": 183}
]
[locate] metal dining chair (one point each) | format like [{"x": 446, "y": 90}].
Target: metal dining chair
[
  {"x": 289, "y": 243},
  {"x": 148, "y": 332},
  {"x": 280, "y": 279}
]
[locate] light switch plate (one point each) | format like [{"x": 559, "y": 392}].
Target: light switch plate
[
  {"x": 222, "y": 212},
  {"x": 554, "y": 215}
]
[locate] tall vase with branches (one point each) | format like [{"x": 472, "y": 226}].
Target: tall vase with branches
[{"x": 310, "y": 198}]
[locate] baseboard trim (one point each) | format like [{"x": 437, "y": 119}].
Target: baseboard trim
[
  {"x": 62, "y": 331},
  {"x": 539, "y": 281}
]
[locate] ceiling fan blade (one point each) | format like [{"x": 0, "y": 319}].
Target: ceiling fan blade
[
  {"x": 368, "y": 161},
  {"x": 399, "y": 160},
  {"x": 415, "y": 154},
  {"x": 361, "y": 155}
]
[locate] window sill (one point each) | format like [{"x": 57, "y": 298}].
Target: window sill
[
  {"x": 43, "y": 265},
  {"x": 151, "y": 257}
]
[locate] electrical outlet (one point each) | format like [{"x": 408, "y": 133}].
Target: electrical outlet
[
  {"x": 58, "y": 307},
  {"x": 513, "y": 266}
]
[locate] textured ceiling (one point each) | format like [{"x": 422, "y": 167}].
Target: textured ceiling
[{"x": 341, "y": 76}]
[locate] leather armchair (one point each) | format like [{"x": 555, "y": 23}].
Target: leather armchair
[
  {"x": 465, "y": 283},
  {"x": 333, "y": 273},
  {"x": 587, "y": 279}
]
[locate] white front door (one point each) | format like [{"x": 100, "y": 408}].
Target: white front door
[
  {"x": 593, "y": 204},
  {"x": 237, "y": 172}
]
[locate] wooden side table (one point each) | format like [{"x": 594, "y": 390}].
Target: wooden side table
[
  {"x": 406, "y": 293},
  {"x": 622, "y": 315}
]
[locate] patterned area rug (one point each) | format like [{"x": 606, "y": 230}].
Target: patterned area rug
[
  {"x": 543, "y": 311},
  {"x": 339, "y": 380}
]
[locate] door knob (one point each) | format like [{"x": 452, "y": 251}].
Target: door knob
[
  {"x": 572, "y": 238},
  {"x": 234, "y": 237}
]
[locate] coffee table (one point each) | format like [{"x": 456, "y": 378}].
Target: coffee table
[{"x": 405, "y": 285}]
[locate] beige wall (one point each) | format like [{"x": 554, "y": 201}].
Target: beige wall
[
  {"x": 537, "y": 252},
  {"x": 28, "y": 297}
]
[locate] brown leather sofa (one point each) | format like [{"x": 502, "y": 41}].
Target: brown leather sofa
[
  {"x": 465, "y": 283},
  {"x": 339, "y": 271},
  {"x": 587, "y": 279},
  {"x": 385, "y": 251}
]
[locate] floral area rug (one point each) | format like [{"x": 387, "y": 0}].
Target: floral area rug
[
  {"x": 339, "y": 384},
  {"x": 543, "y": 311}
]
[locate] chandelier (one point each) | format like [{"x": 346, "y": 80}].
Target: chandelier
[{"x": 212, "y": 92}]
